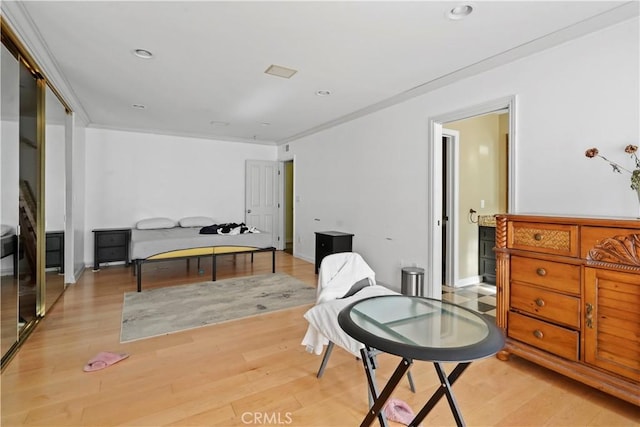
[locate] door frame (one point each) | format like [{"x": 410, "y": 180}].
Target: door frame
[
  {"x": 434, "y": 176},
  {"x": 282, "y": 217}
]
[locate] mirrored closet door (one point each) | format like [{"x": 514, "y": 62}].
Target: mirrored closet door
[
  {"x": 28, "y": 200},
  {"x": 9, "y": 143},
  {"x": 55, "y": 137},
  {"x": 33, "y": 199}
]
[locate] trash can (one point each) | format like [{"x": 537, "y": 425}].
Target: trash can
[{"x": 412, "y": 281}]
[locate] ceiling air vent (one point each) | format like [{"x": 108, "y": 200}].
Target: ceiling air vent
[{"x": 284, "y": 72}]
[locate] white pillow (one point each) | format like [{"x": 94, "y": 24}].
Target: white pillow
[
  {"x": 151, "y": 223},
  {"x": 196, "y": 221}
]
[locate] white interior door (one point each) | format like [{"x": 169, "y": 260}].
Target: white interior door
[{"x": 261, "y": 197}]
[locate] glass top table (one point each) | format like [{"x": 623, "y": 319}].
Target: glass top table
[{"x": 417, "y": 328}]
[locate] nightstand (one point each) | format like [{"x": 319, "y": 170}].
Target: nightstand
[
  {"x": 331, "y": 242},
  {"x": 54, "y": 248},
  {"x": 111, "y": 244}
]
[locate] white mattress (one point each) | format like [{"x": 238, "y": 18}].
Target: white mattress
[{"x": 145, "y": 243}]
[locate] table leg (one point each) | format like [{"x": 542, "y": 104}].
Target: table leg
[
  {"x": 273, "y": 260},
  {"x": 380, "y": 399},
  {"x": 139, "y": 270},
  {"x": 445, "y": 389},
  {"x": 213, "y": 267}
]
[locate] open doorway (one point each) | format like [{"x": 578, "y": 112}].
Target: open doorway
[
  {"x": 476, "y": 190},
  {"x": 288, "y": 207},
  {"x": 453, "y": 258}
]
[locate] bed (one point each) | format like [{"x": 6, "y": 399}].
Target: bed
[{"x": 155, "y": 245}]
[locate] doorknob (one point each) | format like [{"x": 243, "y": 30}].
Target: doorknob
[{"x": 248, "y": 210}]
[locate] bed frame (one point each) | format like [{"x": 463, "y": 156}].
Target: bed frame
[{"x": 212, "y": 251}]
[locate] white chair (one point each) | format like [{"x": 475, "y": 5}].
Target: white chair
[{"x": 343, "y": 278}]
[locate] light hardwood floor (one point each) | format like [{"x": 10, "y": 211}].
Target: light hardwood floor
[{"x": 251, "y": 371}]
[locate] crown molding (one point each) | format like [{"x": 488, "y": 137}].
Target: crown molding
[
  {"x": 624, "y": 12},
  {"x": 16, "y": 16}
]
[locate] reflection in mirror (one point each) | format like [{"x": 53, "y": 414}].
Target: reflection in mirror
[
  {"x": 9, "y": 137},
  {"x": 55, "y": 119},
  {"x": 29, "y": 191}
]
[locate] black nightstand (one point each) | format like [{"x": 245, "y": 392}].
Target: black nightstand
[
  {"x": 54, "y": 248},
  {"x": 111, "y": 244},
  {"x": 486, "y": 256},
  {"x": 331, "y": 242}
]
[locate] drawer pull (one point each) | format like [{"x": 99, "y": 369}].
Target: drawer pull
[
  {"x": 538, "y": 334},
  {"x": 589, "y": 315},
  {"x": 541, "y": 272},
  {"x": 537, "y": 236},
  {"x": 539, "y": 302}
]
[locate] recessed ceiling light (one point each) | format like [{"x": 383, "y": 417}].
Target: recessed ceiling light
[
  {"x": 265, "y": 124},
  {"x": 138, "y": 106},
  {"x": 218, "y": 123},
  {"x": 278, "y": 71},
  {"x": 143, "y": 53},
  {"x": 460, "y": 12},
  {"x": 323, "y": 92}
]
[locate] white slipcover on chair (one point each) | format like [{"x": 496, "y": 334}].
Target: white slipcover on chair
[
  {"x": 343, "y": 279},
  {"x": 337, "y": 275}
]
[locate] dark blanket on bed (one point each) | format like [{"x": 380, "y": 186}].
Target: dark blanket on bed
[{"x": 224, "y": 228}]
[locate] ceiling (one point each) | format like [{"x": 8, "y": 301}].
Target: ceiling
[{"x": 207, "y": 75}]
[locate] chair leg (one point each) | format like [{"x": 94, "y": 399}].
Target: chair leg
[
  {"x": 412, "y": 385},
  {"x": 325, "y": 359}
]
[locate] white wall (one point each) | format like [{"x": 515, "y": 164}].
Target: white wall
[
  {"x": 369, "y": 176},
  {"x": 131, "y": 176},
  {"x": 75, "y": 188},
  {"x": 54, "y": 193}
]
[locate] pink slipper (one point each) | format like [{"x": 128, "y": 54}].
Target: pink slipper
[
  {"x": 103, "y": 360},
  {"x": 398, "y": 411}
]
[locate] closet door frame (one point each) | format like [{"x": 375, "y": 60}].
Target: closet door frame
[{"x": 15, "y": 46}]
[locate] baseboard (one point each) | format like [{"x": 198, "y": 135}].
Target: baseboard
[
  {"x": 105, "y": 264},
  {"x": 78, "y": 272},
  {"x": 297, "y": 255},
  {"x": 468, "y": 281}
]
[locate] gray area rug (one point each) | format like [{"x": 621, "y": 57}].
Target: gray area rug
[{"x": 163, "y": 311}]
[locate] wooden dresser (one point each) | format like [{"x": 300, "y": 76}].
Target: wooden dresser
[{"x": 568, "y": 297}]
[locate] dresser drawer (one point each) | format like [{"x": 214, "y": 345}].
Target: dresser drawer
[
  {"x": 545, "y": 336},
  {"x": 546, "y": 304},
  {"x": 112, "y": 239},
  {"x": 112, "y": 254},
  {"x": 558, "y": 239},
  {"x": 592, "y": 236},
  {"x": 53, "y": 243},
  {"x": 552, "y": 275}
]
